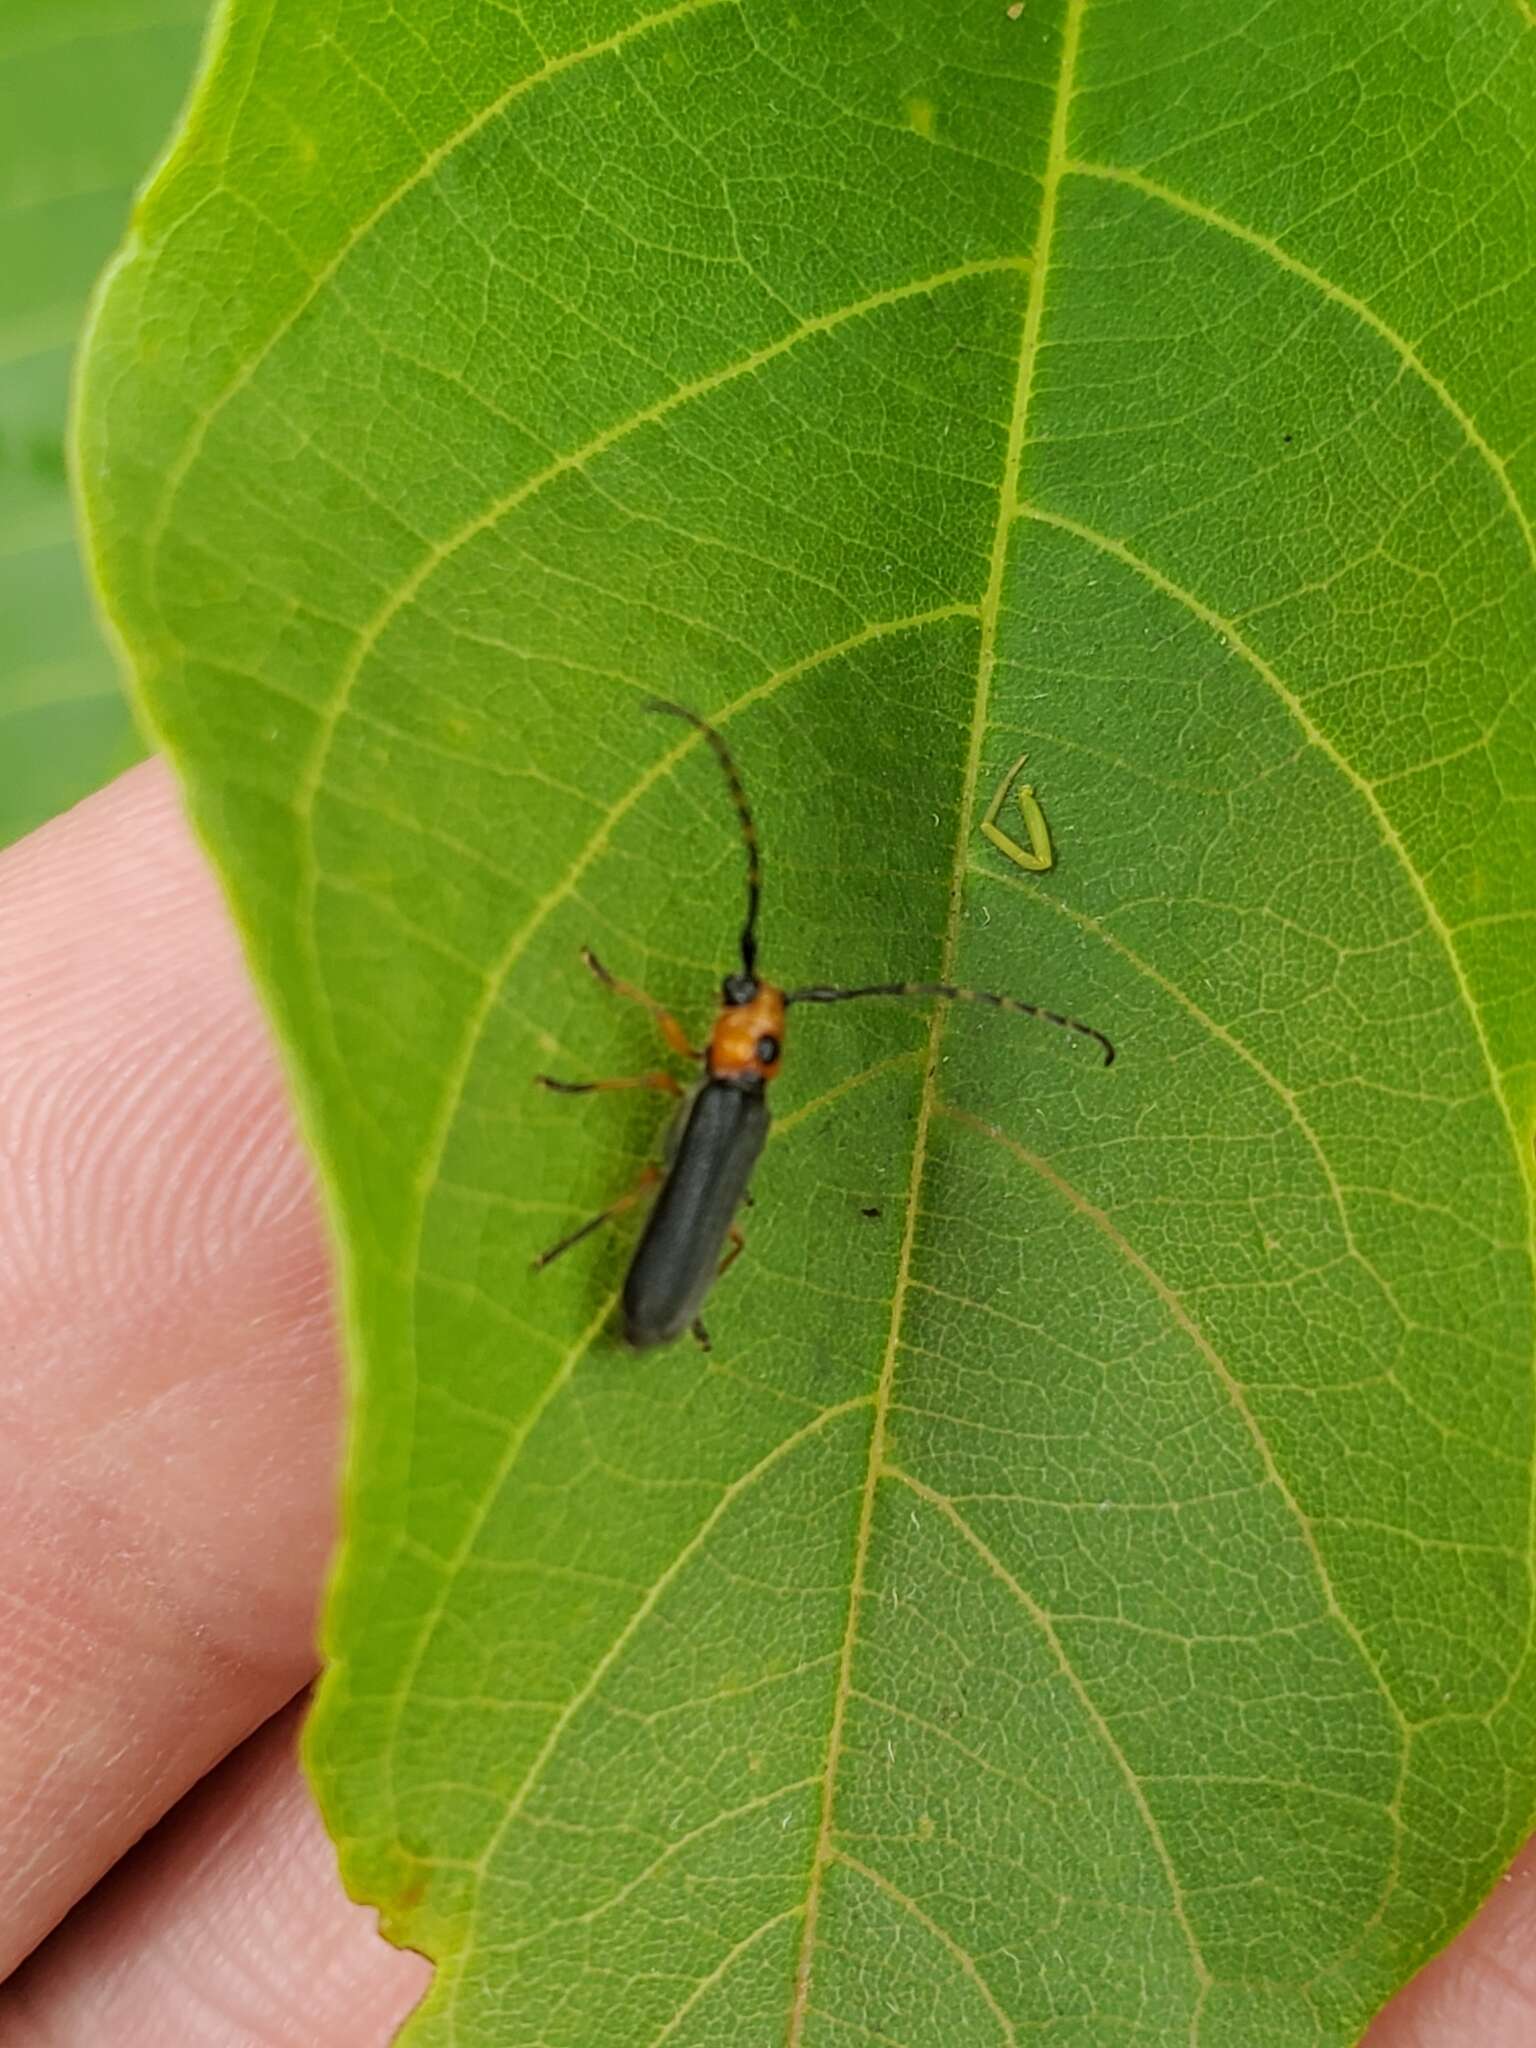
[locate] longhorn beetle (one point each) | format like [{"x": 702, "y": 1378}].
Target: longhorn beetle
[{"x": 719, "y": 1134}]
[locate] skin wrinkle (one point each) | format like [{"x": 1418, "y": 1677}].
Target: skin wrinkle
[
  {"x": 163, "y": 1952},
  {"x": 136, "y": 1082},
  {"x": 187, "y": 1909}
]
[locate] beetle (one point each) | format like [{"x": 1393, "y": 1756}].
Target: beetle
[{"x": 720, "y": 1131}]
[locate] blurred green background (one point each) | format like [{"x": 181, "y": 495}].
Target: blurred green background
[{"x": 89, "y": 90}]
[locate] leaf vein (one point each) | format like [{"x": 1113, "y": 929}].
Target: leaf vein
[
  {"x": 990, "y": 612},
  {"x": 940, "y": 1934},
  {"x": 1402, "y": 348},
  {"x": 179, "y": 470},
  {"x": 1122, "y": 1763}
]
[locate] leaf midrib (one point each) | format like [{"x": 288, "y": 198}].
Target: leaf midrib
[{"x": 1056, "y": 159}]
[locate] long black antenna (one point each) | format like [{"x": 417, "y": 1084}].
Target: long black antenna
[
  {"x": 951, "y": 994},
  {"x": 722, "y": 754}
]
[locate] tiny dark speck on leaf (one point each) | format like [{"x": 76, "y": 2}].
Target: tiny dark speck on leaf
[
  {"x": 1285, "y": 437},
  {"x": 869, "y": 1212}
]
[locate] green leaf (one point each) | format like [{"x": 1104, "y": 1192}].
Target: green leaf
[
  {"x": 88, "y": 89},
  {"x": 1087, "y": 1592}
]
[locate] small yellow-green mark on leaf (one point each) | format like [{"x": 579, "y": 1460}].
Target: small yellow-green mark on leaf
[{"x": 921, "y": 116}]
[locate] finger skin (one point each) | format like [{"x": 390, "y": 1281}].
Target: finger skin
[
  {"x": 168, "y": 1383},
  {"x": 1481, "y": 1991},
  {"x": 167, "y": 1437},
  {"x": 225, "y": 1929}
]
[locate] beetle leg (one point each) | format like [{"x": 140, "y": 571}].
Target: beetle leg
[
  {"x": 666, "y": 1084},
  {"x": 642, "y": 1186},
  {"x": 666, "y": 1023},
  {"x": 700, "y": 1335},
  {"x": 738, "y": 1246}
]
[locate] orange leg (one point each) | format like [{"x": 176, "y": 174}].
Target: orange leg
[
  {"x": 641, "y": 1188},
  {"x": 666, "y": 1084},
  {"x": 738, "y": 1246},
  {"x": 666, "y": 1023}
]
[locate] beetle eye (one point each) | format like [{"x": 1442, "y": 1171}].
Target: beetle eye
[{"x": 767, "y": 1050}]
